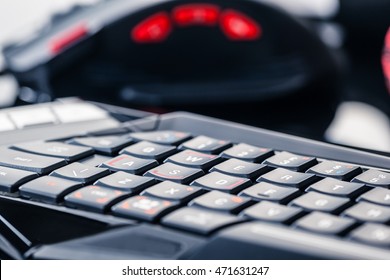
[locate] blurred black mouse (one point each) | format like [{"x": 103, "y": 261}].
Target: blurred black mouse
[{"x": 241, "y": 60}]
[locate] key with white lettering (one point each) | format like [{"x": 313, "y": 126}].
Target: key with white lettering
[
  {"x": 149, "y": 150},
  {"x": 107, "y": 145},
  {"x": 373, "y": 234},
  {"x": 325, "y": 223},
  {"x": 173, "y": 191},
  {"x": 272, "y": 212},
  {"x": 271, "y": 192},
  {"x": 248, "y": 153},
  {"x": 335, "y": 170},
  {"x": 29, "y": 162},
  {"x": 125, "y": 182},
  {"x": 368, "y": 212},
  {"x": 374, "y": 178},
  {"x": 11, "y": 179},
  {"x": 130, "y": 164},
  {"x": 194, "y": 159},
  {"x": 164, "y": 137},
  {"x": 204, "y": 144},
  {"x": 285, "y": 177},
  {"x": 80, "y": 172},
  {"x": 291, "y": 161},
  {"x": 336, "y": 187},
  {"x": 94, "y": 198},
  {"x": 377, "y": 196},
  {"x": 313, "y": 201},
  {"x": 174, "y": 173},
  {"x": 222, "y": 182},
  {"x": 240, "y": 168},
  {"x": 219, "y": 201}
]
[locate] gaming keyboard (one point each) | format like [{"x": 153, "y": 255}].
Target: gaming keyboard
[{"x": 185, "y": 186}]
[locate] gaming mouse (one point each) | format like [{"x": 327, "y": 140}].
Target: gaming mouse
[{"x": 182, "y": 54}]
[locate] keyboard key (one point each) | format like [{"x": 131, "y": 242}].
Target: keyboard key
[
  {"x": 55, "y": 149},
  {"x": 34, "y": 163},
  {"x": 174, "y": 173},
  {"x": 271, "y": 192},
  {"x": 313, "y": 201},
  {"x": 11, "y": 179},
  {"x": 335, "y": 170},
  {"x": 373, "y": 234},
  {"x": 194, "y": 159},
  {"x": 143, "y": 208},
  {"x": 271, "y": 212},
  {"x": 198, "y": 220},
  {"x": 173, "y": 191},
  {"x": 125, "y": 182},
  {"x": 324, "y": 223},
  {"x": 78, "y": 112},
  {"x": 206, "y": 144},
  {"x": 368, "y": 212},
  {"x": 222, "y": 182},
  {"x": 107, "y": 145},
  {"x": 48, "y": 189},
  {"x": 28, "y": 117},
  {"x": 81, "y": 173},
  {"x": 248, "y": 153},
  {"x": 149, "y": 150},
  {"x": 336, "y": 187},
  {"x": 241, "y": 168},
  {"x": 130, "y": 164},
  {"x": 94, "y": 198},
  {"x": 95, "y": 160},
  {"x": 164, "y": 137},
  {"x": 374, "y": 178},
  {"x": 216, "y": 200},
  {"x": 291, "y": 161},
  {"x": 377, "y": 196},
  {"x": 288, "y": 178}
]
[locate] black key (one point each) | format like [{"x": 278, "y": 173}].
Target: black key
[
  {"x": 130, "y": 164},
  {"x": 288, "y": 178},
  {"x": 173, "y": 191},
  {"x": 271, "y": 192},
  {"x": 143, "y": 208},
  {"x": 206, "y": 144},
  {"x": 108, "y": 145},
  {"x": 149, "y": 150},
  {"x": 11, "y": 179},
  {"x": 241, "y": 168},
  {"x": 272, "y": 212},
  {"x": 194, "y": 159},
  {"x": 291, "y": 161},
  {"x": 94, "y": 198},
  {"x": 335, "y": 170},
  {"x": 34, "y": 163},
  {"x": 222, "y": 182},
  {"x": 377, "y": 196},
  {"x": 48, "y": 189},
  {"x": 368, "y": 212},
  {"x": 125, "y": 182},
  {"x": 374, "y": 178},
  {"x": 164, "y": 137},
  {"x": 216, "y": 200},
  {"x": 174, "y": 173},
  {"x": 336, "y": 187},
  {"x": 55, "y": 149},
  {"x": 248, "y": 153},
  {"x": 198, "y": 220},
  {"x": 313, "y": 201},
  {"x": 325, "y": 223},
  {"x": 81, "y": 173},
  {"x": 95, "y": 160},
  {"x": 373, "y": 234}
]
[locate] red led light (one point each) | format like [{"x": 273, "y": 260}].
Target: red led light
[
  {"x": 154, "y": 29},
  {"x": 239, "y": 27},
  {"x": 67, "y": 38},
  {"x": 196, "y": 14}
]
